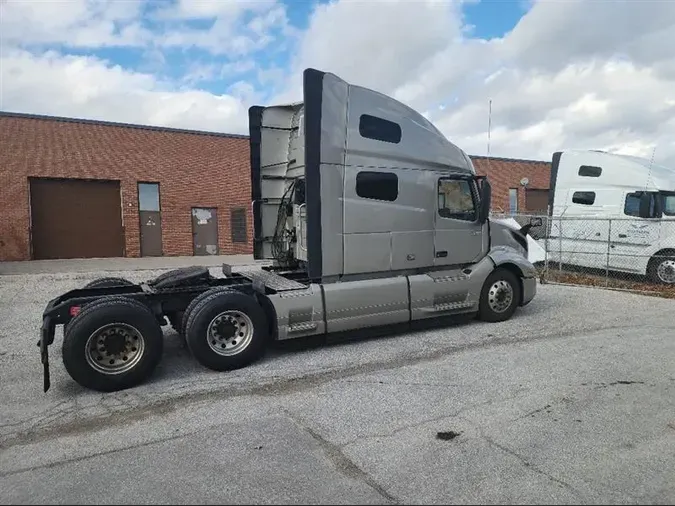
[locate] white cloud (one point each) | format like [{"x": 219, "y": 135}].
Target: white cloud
[
  {"x": 203, "y": 9},
  {"x": 571, "y": 74},
  {"x": 77, "y": 23},
  {"x": 237, "y": 27},
  {"x": 87, "y": 87}
]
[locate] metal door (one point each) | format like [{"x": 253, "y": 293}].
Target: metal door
[
  {"x": 150, "y": 219},
  {"x": 205, "y": 231},
  {"x": 460, "y": 238},
  {"x": 74, "y": 218}
]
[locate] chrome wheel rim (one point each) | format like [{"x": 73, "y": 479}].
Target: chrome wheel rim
[
  {"x": 500, "y": 296},
  {"x": 666, "y": 271},
  {"x": 230, "y": 333},
  {"x": 114, "y": 348}
]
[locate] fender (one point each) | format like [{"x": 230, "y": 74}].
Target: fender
[{"x": 502, "y": 255}]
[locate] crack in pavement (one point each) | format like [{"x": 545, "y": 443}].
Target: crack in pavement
[
  {"x": 94, "y": 455},
  {"x": 528, "y": 465},
  {"x": 341, "y": 462},
  {"x": 270, "y": 388}
]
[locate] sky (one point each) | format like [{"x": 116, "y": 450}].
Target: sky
[{"x": 561, "y": 74}]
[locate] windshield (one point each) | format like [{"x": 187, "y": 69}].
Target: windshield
[{"x": 668, "y": 199}]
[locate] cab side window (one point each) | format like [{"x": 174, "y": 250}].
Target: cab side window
[
  {"x": 456, "y": 199},
  {"x": 631, "y": 205}
]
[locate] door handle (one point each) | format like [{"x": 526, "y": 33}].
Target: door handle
[
  {"x": 623, "y": 235},
  {"x": 597, "y": 234},
  {"x": 441, "y": 254}
]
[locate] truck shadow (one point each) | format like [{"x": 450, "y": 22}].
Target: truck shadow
[{"x": 178, "y": 362}]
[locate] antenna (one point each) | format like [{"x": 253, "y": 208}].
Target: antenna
[
  {"x": 488, "y": 132},
  {"x": 651, "y": 162}
]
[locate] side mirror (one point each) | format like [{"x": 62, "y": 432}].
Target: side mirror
[
  {"x": 485, "y": 198},
  {"x": 645, "y": 205}
]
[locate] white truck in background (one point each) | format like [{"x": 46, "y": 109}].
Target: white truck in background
[{"x": 612, "y": 211}]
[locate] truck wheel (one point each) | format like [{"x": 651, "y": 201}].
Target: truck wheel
[
  {"x": 661, "y": 268},
  {"x": 112, "y": 345},
  {"x": 108, "y": 282},
  {"x": 499, "y": 297},
  {"x": 227, "y": 330},
  {"x": 182, "y": 329}
]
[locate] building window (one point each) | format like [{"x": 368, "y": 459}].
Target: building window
[
  {"x": 148, "y": 196},
  {"x": 513, "y": 200},
  {"x": 238, "y": 225},
  {"x": 372, "y": 127},
  {"x": 590, "y": 171},
  {"x": 455, "y": 200},
  {"x": 377, "y": 185},
  {"x": 584, "y": 198}
]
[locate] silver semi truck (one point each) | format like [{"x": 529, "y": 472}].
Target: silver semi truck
[{"x": 370, "y": 220}]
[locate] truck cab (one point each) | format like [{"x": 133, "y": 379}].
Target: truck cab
[
  {"x": 371, "y": 202},
  {"x": 613, "y": 211}
]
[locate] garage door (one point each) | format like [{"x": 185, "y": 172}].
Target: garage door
[{"x": 72, "y": 218}]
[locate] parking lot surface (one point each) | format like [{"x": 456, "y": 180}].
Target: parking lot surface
[{"x": 571, "y": 401}]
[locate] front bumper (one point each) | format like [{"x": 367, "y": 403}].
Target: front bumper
[{"x": 529, "y": 290}]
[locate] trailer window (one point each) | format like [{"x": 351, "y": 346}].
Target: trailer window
[
  {"x": 585, "y": 198},
  {"x": 590, "y": 171},
  {"x": 372, "y": 127},
  {"x": 456, "y": 199},
  {"x": 377, "y": 185}
]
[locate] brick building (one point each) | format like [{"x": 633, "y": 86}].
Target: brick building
[
  {"x": 518, "y": 186},
  {"x": 80, "y": 188}
]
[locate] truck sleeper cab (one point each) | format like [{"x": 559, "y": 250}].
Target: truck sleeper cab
[
  {"x": 371, "y": 218},
  {"x": 614, "y": 211}
]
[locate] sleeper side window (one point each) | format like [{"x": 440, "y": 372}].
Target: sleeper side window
[
  {"x": 377, "y": 185},
  {"x": 583, "y": 198},
  {"x": 456, "y": 199}
]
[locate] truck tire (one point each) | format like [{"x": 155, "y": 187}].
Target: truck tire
[
  {"x": 108, "y": 282},
  {"x": 661, "y": 268},
  {"x": 499, "y": 296},
  {"x": 95, "y": 302},
  {"x": 112, "y": 344},
  {"x": 182, "y": 329},
  {"x": 227, "y": 330}
]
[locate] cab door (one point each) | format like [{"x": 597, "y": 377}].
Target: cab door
[
  {"x": 459, "y": 236},
  {"x": 633, "y": 234}
]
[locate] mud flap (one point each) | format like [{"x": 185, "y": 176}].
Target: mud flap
[{"x": 46, "y": 338}]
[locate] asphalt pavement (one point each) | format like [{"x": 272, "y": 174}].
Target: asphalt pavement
[{"x": 571, "y": 401}]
